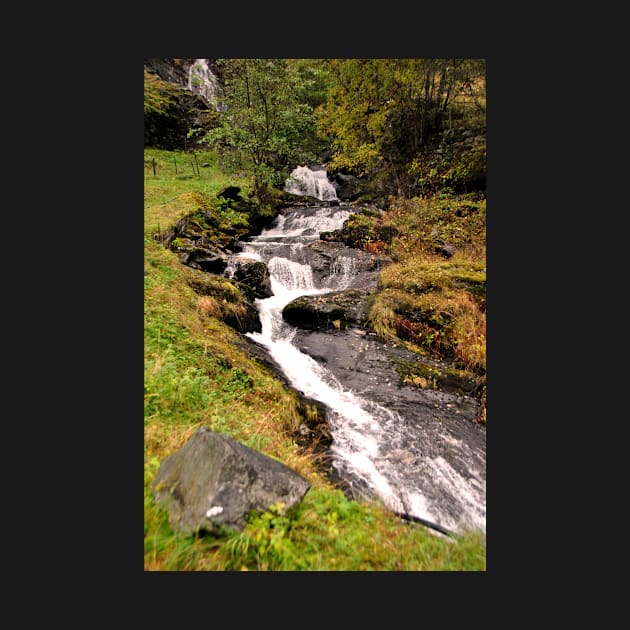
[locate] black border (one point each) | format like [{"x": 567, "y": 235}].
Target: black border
[{"x": 108, "y": 117}]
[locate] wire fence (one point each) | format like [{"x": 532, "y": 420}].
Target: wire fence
[{"x": 183, "y": 167}]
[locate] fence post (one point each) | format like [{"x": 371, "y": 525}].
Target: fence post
[
  {"x": 153, "y": 161},
  {"x": 174, "y": 162}
]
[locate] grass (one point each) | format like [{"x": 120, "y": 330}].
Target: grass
[
  {"x": 169, "y": 196},
  {"x": 197, "y": 373},
  {"x": 434, "y": 305}
]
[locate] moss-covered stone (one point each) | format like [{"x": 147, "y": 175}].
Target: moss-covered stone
[{"x": 335, "y": 310}]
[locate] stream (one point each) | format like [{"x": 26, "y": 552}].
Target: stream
[{"x": 415, "y": 450}]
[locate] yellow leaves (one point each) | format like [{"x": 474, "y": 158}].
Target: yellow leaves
[{"x": 376, "y": 122}]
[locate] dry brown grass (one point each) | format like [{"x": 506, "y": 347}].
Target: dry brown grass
[{"x": 470, "y": 331}]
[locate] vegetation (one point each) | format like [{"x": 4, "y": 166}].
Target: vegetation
[
  {"x": 197, "y": 370},
  {"x": 266, "y": 125},
  {"x": 433, "y": 304},
  {"x": 412, "y": 126},
  {"x": 437, "y": 304}
]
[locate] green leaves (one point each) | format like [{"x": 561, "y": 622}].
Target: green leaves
[{"x": 266, "y": 124}]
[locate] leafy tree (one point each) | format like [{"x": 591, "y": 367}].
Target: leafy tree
[
  {"x": 266, "y": 121},
  {"x": 313, "y": 89},
  {"x": 388, "y": 115}
]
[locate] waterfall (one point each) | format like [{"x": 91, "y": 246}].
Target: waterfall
[
  {"x": 289, "y": 274},
  {"x": 314, "y": 183},
  {"x": 202, "y": 81},
  {"x": 401, "y": 461}
]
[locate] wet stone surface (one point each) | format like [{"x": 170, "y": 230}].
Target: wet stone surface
[{"x": 368, "y": 367}]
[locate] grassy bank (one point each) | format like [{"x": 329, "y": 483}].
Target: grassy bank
[{"x": 198, "y": 373}]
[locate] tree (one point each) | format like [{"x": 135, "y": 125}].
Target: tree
[
  {"x": 265, "y": 123},
  {"x": 387, "y": 115}
]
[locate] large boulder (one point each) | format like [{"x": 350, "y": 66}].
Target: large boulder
[
  {"x": 337, "y": 309},
  {"x": 214, "y": 482}
]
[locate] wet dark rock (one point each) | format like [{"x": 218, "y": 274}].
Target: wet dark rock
[
  {"x": 326, "y": 156},
  {"x": 377, "y": 370},
  {"x": 347, "y": 187},
  {"x": 363, "y": 268},
  {"x": 253, "y": 278},
  {"x": 214, "y": 482},
  {"x": 285, "y": 201},
  {"x": 205, "y": 260},
  {"x": 337, "y": 309},
  {"x": 370, "y": 368}
]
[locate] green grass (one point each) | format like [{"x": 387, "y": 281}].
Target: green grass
[
  {"x": 169, "y": 196},
  {"x": 197, "y": 374}
]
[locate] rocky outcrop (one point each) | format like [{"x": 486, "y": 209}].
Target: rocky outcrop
[
  {"x": 199, "y": 242},
  {"x": 393, "y": 376},
  {"x": 205, "y": 83},
  {"x": 187, "y": 108},
  {"x": 171, "y": 70},
  {"x": 249, "y": 321},
  {"x": 338, "y": 309},
  {"x": 214, "y": 482},
  {"x": 237, "y": 309}
]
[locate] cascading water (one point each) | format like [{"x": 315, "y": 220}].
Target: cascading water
[
  {"x": 419, "y": 467},
  {"x": 202, "y": 81},
  {"x": 312, "y": 182}
]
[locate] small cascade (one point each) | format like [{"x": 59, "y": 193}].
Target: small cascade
[
  {"x": 313, "y": 183},
  {"x": 202, "y": 81},
  {"x": 343, "y": 270},
  {"x": 306, "y": 223},
  {"x": 291, "y": 274}
]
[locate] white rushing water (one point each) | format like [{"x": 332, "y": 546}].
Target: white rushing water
[
  {"x": 370, "y": 442},
  {"x": 201, "y": 80},
  {"x": 355, "y": 428},
  {"x": 314, "y": 183}
]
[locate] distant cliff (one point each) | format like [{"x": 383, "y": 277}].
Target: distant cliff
[{"x": 192, "y": 97}]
